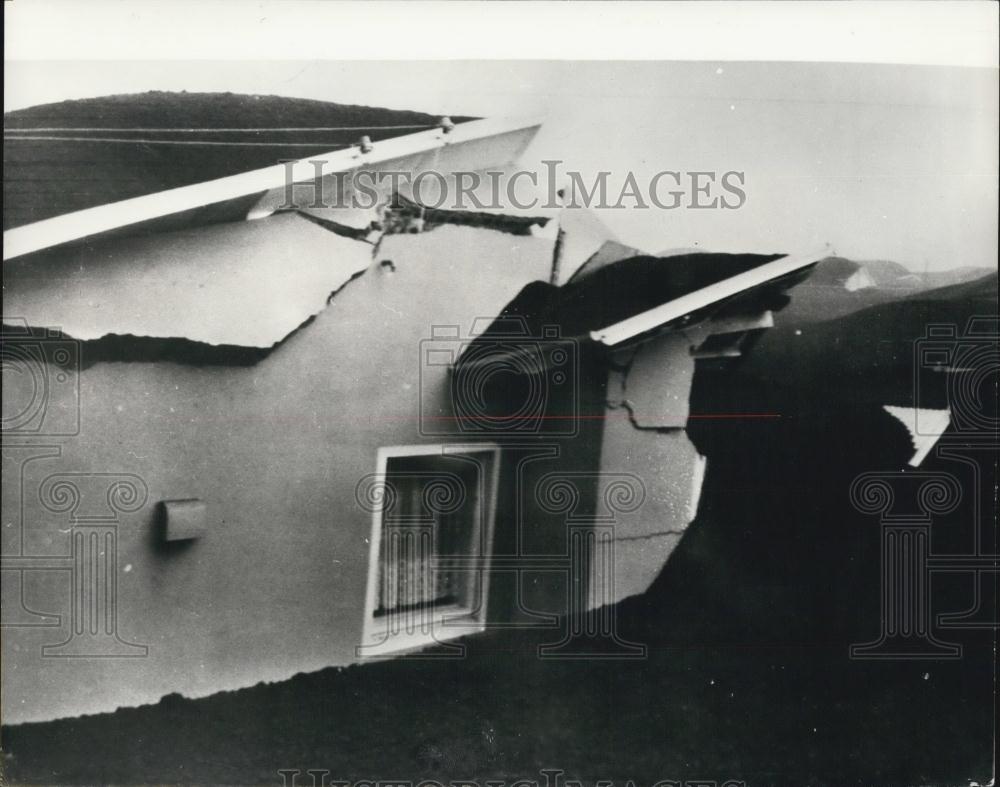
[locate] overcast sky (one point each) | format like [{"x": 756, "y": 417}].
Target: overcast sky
[{"x": 881, "y": 161}]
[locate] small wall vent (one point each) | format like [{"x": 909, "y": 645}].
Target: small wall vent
[{"x": 183, "y": 519}]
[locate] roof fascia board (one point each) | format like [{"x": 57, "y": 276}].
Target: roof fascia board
[
  {"x": 102, "y": 218},
  {"x": 699, "y": 299}
]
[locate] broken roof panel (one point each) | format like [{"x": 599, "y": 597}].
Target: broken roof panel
[
  {"x": 632, "y": 300},
  {"x": 246, "y": 284},
  {"x": 632, "y": 286},
  {"x": 513, "y": 222},
  {"x": 758, "y": 287},
  {"x": 627, "y": 288},
  {"x": 477, "y": 144}
]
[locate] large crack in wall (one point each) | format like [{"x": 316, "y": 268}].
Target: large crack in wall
[{"x": 129, "y": 348}]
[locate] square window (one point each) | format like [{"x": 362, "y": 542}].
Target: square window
[{"x": 430, "y": 547}]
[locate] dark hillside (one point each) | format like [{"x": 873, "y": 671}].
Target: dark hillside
[
  {"x": 863, "y": 358},
  {"x": 63, "y": 157}
]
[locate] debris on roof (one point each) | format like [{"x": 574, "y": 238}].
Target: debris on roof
[
  {"x": 259, "y": 193},
  {"x": 932, "y": 424},
  {"x": 403, "y": 214},
  {"x": 245, "y": 284}
]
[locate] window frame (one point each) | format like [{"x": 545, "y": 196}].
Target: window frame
[{"x": 447, "y": 621}]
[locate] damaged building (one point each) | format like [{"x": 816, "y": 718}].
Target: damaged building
[{"x": 243, "y": 441}]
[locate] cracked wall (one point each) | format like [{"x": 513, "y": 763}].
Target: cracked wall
[
  {"x": 274, "y": 449},
  {"x": 647, "y": 407},
  {"x": 248, "y": 284}
]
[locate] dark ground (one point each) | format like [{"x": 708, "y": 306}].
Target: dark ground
[{"x": 748, "y": 628}]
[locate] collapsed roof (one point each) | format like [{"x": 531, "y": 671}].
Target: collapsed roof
[
  {"x": 603, "y": 304},
  {"x": 649, "y": 319},
  {"x": 251, "y": 284},
  {"x": 119, "y": 270},
  {"x": 474, "y": 145}
]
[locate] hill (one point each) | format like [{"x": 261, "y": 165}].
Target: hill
[
  {"x": 162, "y": 109},
  {"x": 825, "y": 294},
  {"x": 893, "y": 276},
  {"x": 71, "y": 155},
  {"x": 863, "y": 356}
]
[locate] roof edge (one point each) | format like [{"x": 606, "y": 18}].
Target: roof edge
[
  {"x": 102, "y": 218},
  {"x": 638, "y": 324}
]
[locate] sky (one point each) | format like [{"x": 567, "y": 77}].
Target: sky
[{"x": 880, "y": 161}]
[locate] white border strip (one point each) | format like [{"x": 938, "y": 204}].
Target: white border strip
[
  {"x": 928, "y": 32},
  {"x": 706, "y": 296},
  {"x": 91, "y": 221}
]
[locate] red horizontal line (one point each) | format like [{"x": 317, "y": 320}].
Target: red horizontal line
[{"x": 592, "y": 417}]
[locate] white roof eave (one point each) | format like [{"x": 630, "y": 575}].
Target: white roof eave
[
  {"x": 102, "y": 218},
  {"x": 652, "y": 319}
]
